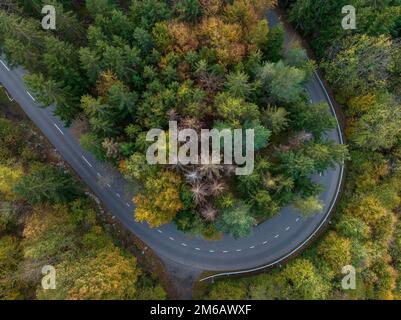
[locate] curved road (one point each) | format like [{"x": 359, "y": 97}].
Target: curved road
[{"x": 270, "y": 243}]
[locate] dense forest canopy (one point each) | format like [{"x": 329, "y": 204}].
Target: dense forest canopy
[
  {"x": 364, "y": 68},
  {"x": 123, "y": 69},
  {"x": 119, "y": 68},
  {"x": 47, "y": 219}
]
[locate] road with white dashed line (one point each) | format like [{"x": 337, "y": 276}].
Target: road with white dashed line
[{"x": 271, "y": 241}]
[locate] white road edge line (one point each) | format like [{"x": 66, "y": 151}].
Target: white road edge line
[
  {"x": 86, "y": 160},
  {"x": 58, "y": 128},
  {"x": 5, "y": 66},
  {"x": 31, "y": 96}
]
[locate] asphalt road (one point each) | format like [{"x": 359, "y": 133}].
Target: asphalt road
[{"x": 271, "y": 241}]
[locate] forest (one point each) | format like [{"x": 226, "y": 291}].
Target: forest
[
  {"x": 118, "y": 70},
  {"x": 363, "y": 66},
  {"x": 48, "y": 218}
]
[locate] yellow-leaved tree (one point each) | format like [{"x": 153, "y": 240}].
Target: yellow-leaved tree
[
  {"x": 161, "y": 202},
  {"x": 9, "y": 177}
]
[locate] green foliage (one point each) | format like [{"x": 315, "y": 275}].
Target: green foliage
[
  {"x": 274, "y": 49},
  {"x": 236, "y": 221},
  {"x": 126, "y": 68},
  {"x": 65, "y": 235},
  {"x": 309, "y": 206},
  {"x": 275, "y": 119},
  {"x": 47, "y": 184},
  {"x": 304, "y": 117},
  {"x": 238, "y": 85},
  {"x": 10, "y": 257},
  {"x": 283, "y": 83},
  {"x": 224, "y": 290},
  {"x": 189, "y": 10}
]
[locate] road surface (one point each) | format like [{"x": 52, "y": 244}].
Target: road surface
[{"x": 270, "y": 242}]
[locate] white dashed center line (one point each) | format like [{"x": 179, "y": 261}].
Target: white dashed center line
[
  {"x": 109, "y": 185},
  {"x": 171, "y": 238},
  {"x": 99, "y": 175},
  {"x": 118, "y": 195},
  {"x": 31, "y": 96},
  {"x": 265, "y": 242},
  {"x": 86, "y": 160},
  {"x": 252, "y": 247},
  {"x": 184, "y": 244},
  {"x": 197, "y": 249},
  {"x": 159, "y": 231},
  {"x": 58, "y": 128},
  {"x": 276, "y": 236},
  {"x": 5, "y": 66},
  {"x": 128, "y": 205},
  {"x": 238, "y": 250},
  {"x": 288, "y": 228},
  {"x": 225, "y": 251},
  {"x": 297, "y": 219}
]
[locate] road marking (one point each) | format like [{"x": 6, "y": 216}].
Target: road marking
[
  {"x": 30, "y": 96},
  {"x": 171, "y": 238},
  {"x": 238, "y": 250},
  {"x": 288, "y": 228},
  {"x": 197, "y": 249},
  {"x": 5, "y": 66},
  {"x": 99, "y": 175},
  {"x": 225, "y": 251},
  {"x": 128, "y": 205},
  {"x": 118, "y": 195},
  {"x": 184, "y": 244},
  {"x": 8, "y": 96},
  {"x": 86, "y": 160},
  {"x": 265, "y": 242},
  {"x": 297, "y": 219},
  {"x": 276, "y": 236},
  {"x": 211, "y": 251},
  {"x": 252, "y": 247},
  {"x": 58, "y": 128},
  {"x": 159, "y": 231}
]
